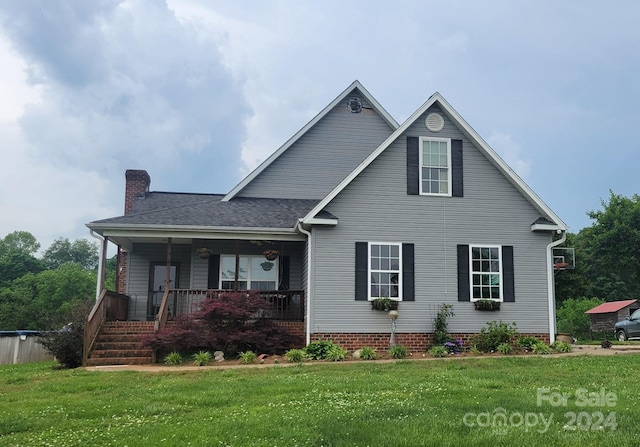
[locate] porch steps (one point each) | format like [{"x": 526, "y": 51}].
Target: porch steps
[{"x": 117, "y": 344}]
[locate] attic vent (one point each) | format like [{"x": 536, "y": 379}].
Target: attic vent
[
  {"x": 434, "y": 122},
  {"x": 355, "y": 105}
]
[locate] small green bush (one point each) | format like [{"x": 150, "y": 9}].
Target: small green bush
[
  {"x": 318, "y": 350},
  {"x": 295, "y": 355},
  {"x": 505, "y": 348},
  {"x": 541, "y": 348},
  {"x": 336, "y": 354},
  {"x": 438, "y": 351},
  {"x": 398, "y": 352},
  {"x": 527, "y": 343},
  {"x": 475, "y": 351},
  {"x": 201, "y": 358},
  {"x": 367, "y": 353},
  {"x": 173, "y": 359},
  {"x": 561, "y": 346},
  {"x": 440, "y": 332},
  {"x": 493, "y": 334},
  {"x": 247, "y": 357}
]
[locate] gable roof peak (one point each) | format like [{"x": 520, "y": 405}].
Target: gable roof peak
[{"x": 342, "y": 96}]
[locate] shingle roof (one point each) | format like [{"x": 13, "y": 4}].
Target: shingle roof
[
  {"x": 613, "y": 306},
  {"x": 207, "y": 210}
]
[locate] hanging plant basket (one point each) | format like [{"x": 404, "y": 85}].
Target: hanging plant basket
[
  {"x": 270, "y": 254},
  {"x": 204, "y": 253},
  {"x": 384, "y": 304},
  {"x": 487, "y": 305},
  {"x": 266, "y": 266}
]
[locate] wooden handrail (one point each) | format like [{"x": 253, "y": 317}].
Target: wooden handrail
[
  {"x": 92, "y": 325},
  {"x": 109, "y": 306},
  {"x": 161, "y": 317}
]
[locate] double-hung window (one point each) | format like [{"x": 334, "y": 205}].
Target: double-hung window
[
  {"x": 435, "y": 166},
  {"x": 486, "y": 273},
  {"x": 254, "y": 272},
  {"x": 385, "y": 269}
]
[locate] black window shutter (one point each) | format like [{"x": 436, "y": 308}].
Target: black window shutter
[
  {"x": 285, "y": 267},
  {"x": 408, "y": 273},
  {"x": 464, "y": 290},
  {"x": 457, "y": 175},
  {"x": 213, "y": 281},
  {"x": 362, "y": 271},
  {"x": 508, "y": 286},
  {"x": 413, "y": 168}
]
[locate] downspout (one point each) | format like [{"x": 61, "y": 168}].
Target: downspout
[
  {"x": 100, "y": 266},
  {"x": 551, "y": 290},
  {"x": 309, "y": 288}
]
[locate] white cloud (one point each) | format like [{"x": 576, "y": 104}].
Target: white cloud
[{"x": 511, "y": 152}]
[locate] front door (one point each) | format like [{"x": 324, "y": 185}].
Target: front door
[{"x": 156, "y": 288}]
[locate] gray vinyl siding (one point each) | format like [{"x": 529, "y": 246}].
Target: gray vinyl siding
[
  {"x": 376, "y": 207},
  {"x": 140, "y": 259},
  {"x": 322, "y": 157}
]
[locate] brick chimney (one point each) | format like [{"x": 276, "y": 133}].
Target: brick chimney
[{"x": 137, "y": 185}]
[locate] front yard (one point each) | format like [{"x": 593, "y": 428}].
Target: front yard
[{"x": 494, "y": 401}]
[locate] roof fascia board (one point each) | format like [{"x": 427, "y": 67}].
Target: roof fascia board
[
  {"x": 255, "y": 235},
  {"x": 471, "y": 134},
  {"x": 356, "y": 84}
]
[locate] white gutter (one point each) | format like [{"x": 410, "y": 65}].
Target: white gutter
[
  {"x": 100, "y": 257},
  {"x": 551, "y": 290},
  {"x": 309, "y": 287}
]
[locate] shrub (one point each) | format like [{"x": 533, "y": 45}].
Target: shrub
[
  {"x": 398, "y": 352},
  {"x": 453, "y": 346},
  {"x": 541, "y": 348},
  {"x": 560, "y": 346},
  {"x": 173, "y": 359},
  {"x": 227, "y": 322},
  {"x": 201, "y": 358},
  {"x": 572, "y": 318},
  {"x": 318, "y": 350},
  {"x": 247, "y": 357},
  {"x": 295, "y": 355},
  {"x": 367, "y": 353},
  {"x": 440, "y": 331},
  {"x": 438, "y": 351},
  {"x": 66, "y": 345},
  {"x": 505, "y": 348},
  {"x": 475, "y": 351},
  {"x": 527, "y": 343},
  {"x": 493, "y": 334},
  {"x": 336, "y": 353}
]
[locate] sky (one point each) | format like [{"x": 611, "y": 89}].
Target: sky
[{"x": 199, "y": 92}]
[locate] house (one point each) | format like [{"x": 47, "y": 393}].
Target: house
[{"x": 352, "y": 208}]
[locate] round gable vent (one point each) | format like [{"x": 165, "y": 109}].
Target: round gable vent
[{"x": 434, "y": 122}]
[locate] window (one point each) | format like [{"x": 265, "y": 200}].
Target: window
[
  {"x": 486, "y": 273},
  {"x": 385, "y": 265},
  {"x": 435, "y": 163},
  {"x": 254, "y": 272}
]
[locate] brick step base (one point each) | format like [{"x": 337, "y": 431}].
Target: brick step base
[
  {"x": 117, "y": 344},
  {"x": 106, "y": 361}
]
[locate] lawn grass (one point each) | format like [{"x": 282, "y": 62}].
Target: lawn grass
[{"x": 406, "y": 403}]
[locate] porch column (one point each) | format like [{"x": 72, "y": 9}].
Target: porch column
[
  {"x": 102, "y": 265},
  {"x": 167, "y": 279}
]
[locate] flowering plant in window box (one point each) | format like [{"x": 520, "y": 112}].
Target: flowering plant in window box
[
  {"x": 487, "y": 305},
  {"x": 384, "y": 304},
  {"x": 271, "y": 254}
]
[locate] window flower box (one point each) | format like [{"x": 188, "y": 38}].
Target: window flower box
[
  {"x": 487, "y": 305},
  {"x": 384, "y": 304}
]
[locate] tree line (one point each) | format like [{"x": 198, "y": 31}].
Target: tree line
[
  {"x": 607, "y": 262},
  {"x": 40, "y": 292}
]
